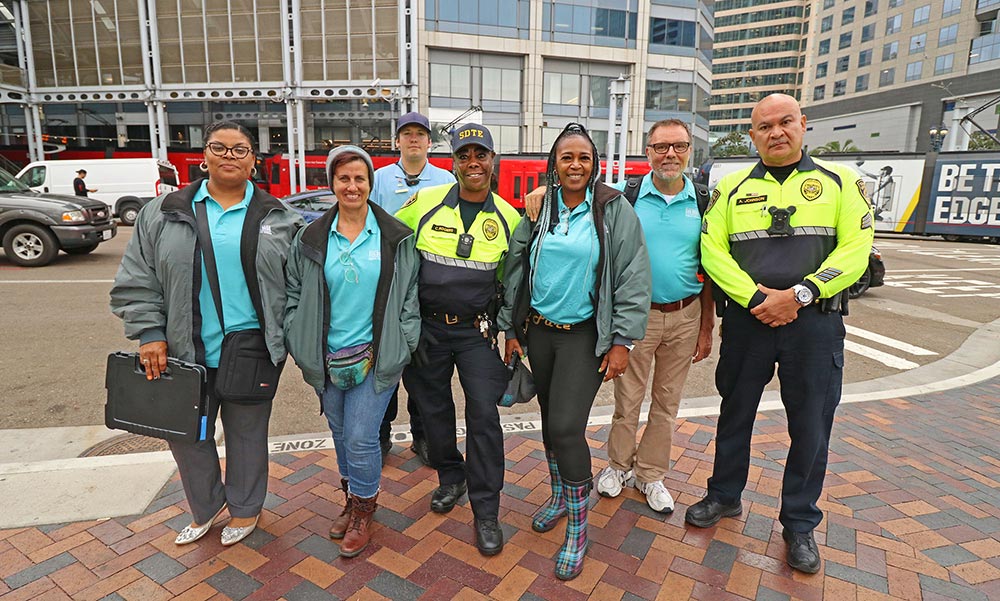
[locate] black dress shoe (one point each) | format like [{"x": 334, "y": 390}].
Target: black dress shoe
[
  {"x": 707, "y": 512},
  {"x": 445, "y": 497},
  {"x": 803, "y": 554},
  {"x": 421, "y": 449},
  {"x": 489, "y": 537}
]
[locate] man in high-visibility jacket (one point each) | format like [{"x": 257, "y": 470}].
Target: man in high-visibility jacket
[
  {"x": 462, "y": 235},
  {"x": 783, "y": 240}
]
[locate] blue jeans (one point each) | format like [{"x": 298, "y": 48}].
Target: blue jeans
[{"x": 354, "y": 416}]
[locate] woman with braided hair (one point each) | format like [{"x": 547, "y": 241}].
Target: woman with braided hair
[{"x": 577, "y": 292}]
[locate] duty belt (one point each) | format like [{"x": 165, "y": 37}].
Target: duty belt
[
  {"x": 674, "y": 306},
  {"x": 450, "y": 319}
]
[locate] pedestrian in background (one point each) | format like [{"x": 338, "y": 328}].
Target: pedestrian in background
[
  {"x": 577, "y": 288},
  {"x": 162, "y": 294},
  {"x": 352, "y": 321}
]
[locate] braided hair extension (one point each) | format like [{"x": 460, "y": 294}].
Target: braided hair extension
[{"x": 548, "y": 215}]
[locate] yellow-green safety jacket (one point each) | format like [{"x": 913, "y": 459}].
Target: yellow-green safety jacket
[
  {"x": 449, "y": 283},
  {"x": 827, "y": 249}
]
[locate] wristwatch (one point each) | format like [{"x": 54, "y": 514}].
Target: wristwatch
[{"x": 803, "y": 295}]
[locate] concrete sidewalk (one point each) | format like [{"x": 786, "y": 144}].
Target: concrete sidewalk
[{"x": 912, "y": 501}]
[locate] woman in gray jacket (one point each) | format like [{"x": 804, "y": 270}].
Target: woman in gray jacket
[
  {"x": 351, "y": 321},
  {"x": 162, "y": 294}
]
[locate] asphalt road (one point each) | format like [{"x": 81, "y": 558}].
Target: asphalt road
[{"x": 56, "y": 331}]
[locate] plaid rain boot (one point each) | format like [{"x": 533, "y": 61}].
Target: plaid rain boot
[
  {"x": 555, "y": 507},
  {"x": 569, "y": 561}
]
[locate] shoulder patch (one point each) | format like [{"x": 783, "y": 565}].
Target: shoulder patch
[
  {"x": 862, "y": 190},
  {"x": 409, "y": 201},
  {"x": 490, "y": 229},
  {"x": 811, "y": 189},
  {"x": 715, "y": 198}
]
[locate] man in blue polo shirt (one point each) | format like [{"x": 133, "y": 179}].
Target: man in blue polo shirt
[
  {"x": 394, "y": 184},
  {"x": 681, "y": 320}
]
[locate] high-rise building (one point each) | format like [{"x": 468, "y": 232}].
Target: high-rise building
[
  {"x": 884, "y": 73},
  {"x": 148, "y": 75},
  {"x": 758, "y": 51}
]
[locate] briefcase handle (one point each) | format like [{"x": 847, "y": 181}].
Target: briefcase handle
[{"x": 166, "y": 374}]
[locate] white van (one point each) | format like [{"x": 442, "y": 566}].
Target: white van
[{"x": 125, "y": 185}]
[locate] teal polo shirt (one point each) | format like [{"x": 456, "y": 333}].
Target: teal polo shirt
[
  {"x": 564, "y": 265},
  {"x": 673, "y": 234},
  {"x": 226, "y": 229},
  {"x": 352, "y": 270},
  {"x": 390, "y": 191}
]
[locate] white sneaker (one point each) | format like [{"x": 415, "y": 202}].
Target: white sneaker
[
  {"x": 657, "y": 496},
  {"x": 611, "y": 481}
]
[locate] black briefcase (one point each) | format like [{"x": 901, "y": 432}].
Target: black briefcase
[{"x": 172, "y": 407}]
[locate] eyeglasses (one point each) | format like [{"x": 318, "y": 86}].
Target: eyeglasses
[
  {"x": 350, "y": 269},
  {"x": 562, "y": 227},
  {"x": 219, "y": 149},
  {"x": 664, "y": 148}
]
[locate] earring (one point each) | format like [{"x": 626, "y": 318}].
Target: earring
[
  {"x": 203, "y": 166},
  {"x": 253, "y": 172}
]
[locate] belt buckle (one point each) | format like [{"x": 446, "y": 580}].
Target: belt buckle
[{"x": 450, "y": 319}]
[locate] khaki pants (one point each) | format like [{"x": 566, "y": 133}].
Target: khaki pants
[{"x": 670, "y": 340}]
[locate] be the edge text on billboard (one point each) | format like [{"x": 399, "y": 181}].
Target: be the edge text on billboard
[{"x": 965, "y": 198}]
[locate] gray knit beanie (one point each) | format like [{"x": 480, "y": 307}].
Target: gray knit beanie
[{"x": 349, "y": 149}]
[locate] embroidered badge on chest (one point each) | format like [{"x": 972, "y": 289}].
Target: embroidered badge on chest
[
  {"x": 811, "y": 189},
  {"x": 490, "y": 229}
]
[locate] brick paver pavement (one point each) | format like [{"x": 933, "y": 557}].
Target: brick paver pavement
[{"x": 912, "y": 501}]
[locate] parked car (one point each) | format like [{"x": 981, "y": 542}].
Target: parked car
[
  {"x": 125, "y": 185},
  {"x": 34, "y": 227},
  {"x": 873, "y": 277},
  {"x": 311, "y": 204}
]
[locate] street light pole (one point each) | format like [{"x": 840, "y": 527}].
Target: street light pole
[{"x": 937, "y": 133}]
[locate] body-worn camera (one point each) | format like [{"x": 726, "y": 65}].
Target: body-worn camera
[
  {"x": 779, "y": 221},
  {"x": 464, "y": 249}
]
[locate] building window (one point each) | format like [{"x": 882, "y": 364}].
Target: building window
[
  {"x": 828, "y": 4},
  {"x": 871, "y": 7},
  {"x": 865, "y": 58},
  {"x": 868, "y": 32},
  {"x": 947, "y": 35},
  {"x": 824, "y": 47},
  {"x": 895, "y": 3},
  {"x": 847, "y": 17},
  {"x": 501, "y": 84},
  {"x": 826, "y": 24},
  {"x": 845, "y": 41},
  {"x": 600, "y": 91},
  {"x": 668, "y": 96},
  {"x": 951, "y": 7},
  {"x": 985, "y": 48},
  {"x": 671, "y": 32},
  {"x": 821, "y": 70},
  {"x": 819, "y": 92},
  {"x": 886, "y": 77},
  {"x": 840, "y": 88},
  {"x": 943, "y": 64},
  {"x": 922, "y": 14},
  {"x": 587, "y": 24},
  {"x": 843, "y": 64},
  {"x": 451, "y": 81},
  {"x": 918, "y": 43},
  {"x": 893, "y": 24},
  {"x": 890, "y": 51},
  {"x": 861, "y": 83},
  {"x": 502, "y": 18},
  {"x": 913, "y": 70},
  {"x": 561, "y": 88}
]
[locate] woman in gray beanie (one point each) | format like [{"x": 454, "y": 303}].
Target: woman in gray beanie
[{"x": 351, "y": 321}]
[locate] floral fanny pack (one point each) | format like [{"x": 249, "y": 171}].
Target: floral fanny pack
[{"x": 349, "y": 366}]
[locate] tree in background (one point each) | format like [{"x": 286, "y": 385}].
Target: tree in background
[
  {"x": 980, "y": 141},
  {"x": 835, "y": 146},
  {"x": 732, "y": 144}
]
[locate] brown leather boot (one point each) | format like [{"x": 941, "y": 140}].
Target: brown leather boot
[
  {"x": 340, "y": 524},
  {"x": 357, "y": 535}
]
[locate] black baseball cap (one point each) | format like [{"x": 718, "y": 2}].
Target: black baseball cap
[
  {"x": 83, "y": 171},
  {"x": 471, "y": 133},
  {"x": 413, "y": 118}
]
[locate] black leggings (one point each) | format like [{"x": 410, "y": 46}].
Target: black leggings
[{"x": 567, "y": 380}]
